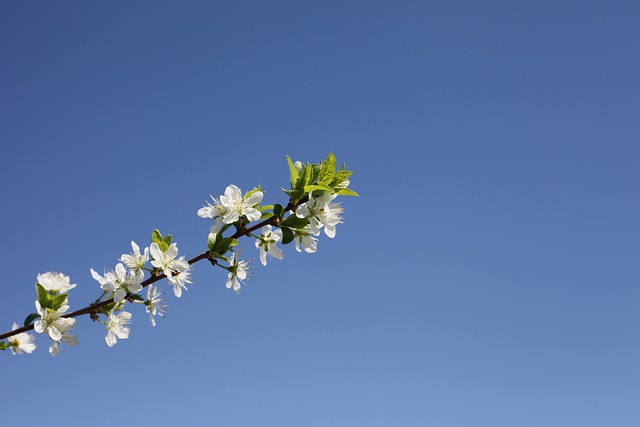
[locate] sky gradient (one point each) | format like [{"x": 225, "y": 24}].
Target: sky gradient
[{"x": 486, "y": 276}]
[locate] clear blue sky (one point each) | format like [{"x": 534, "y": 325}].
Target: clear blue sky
[{"x": 487, "y": 276}]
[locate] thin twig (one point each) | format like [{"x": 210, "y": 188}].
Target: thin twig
[{"x": 96, "y": 308}]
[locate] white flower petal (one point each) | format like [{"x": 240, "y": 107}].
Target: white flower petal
[
  {"x": 255, "y": 198},
  {"x": 54, "y": 348},
  {"x": 54, "y": 333},
  {"x": 156, "y": 252},
  {"x": 275, "y": 252}
]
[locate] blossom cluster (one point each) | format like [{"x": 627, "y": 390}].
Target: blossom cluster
[
  {"x": 310, "y": 211},
  {"x": 51, "y": 305},
  {"x": 128, "y": 279}
]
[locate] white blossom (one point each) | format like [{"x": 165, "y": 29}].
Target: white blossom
[
  {"x": 56, "y": 326},
  {"x": 321, "y": 212},
  {"x": 177, "y": 270},
  {"x": 238, "y": 271},
  {"x": 56, "y": 282},
  {"x": 232, "y": 206},
  {"x": 136, "y": 261},
  {"x": 154, "y": 303},
  {"x": 266, "y": 242},
  {"x": 64, "y": 324},
  {"x": 116, "y": 327},
  {"x": 120, "y": 281},
  {"x": 180, "y": 278},
  {"x": 237, "y": 206},
  {"x": 51, "y": 322},
  {"x": 304, "y": 241},
  {"x": 214, "y": 211},
  {"x": 165, "y": 261},
  {"x": 108, "y": 282},
  {"x": 22, "y": 342}
]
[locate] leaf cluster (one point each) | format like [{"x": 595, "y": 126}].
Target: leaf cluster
[
  {"x": 288, "y": 224},
  {"x": 162, "y": 242},
  {"x": 219, "y": 245},
  {"x": 320, "y": 177},
  {"x": 50, "y": 300}
]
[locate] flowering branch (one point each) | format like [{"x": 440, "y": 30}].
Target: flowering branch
[{"x": 310, "y": 209}]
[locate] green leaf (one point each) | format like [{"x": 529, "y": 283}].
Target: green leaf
[
  {"x": 211, "y": 241},
  {"x": 265, "y": 208},
  {"x": 323, "y": 188},
  {"x": 287, "y": 235},
  {"x": 156, "y": 237},
  {"x": 43, "y": 296},
  {"x": 221, "y": 245},
  {"x": 315, "y": 172},
  {"x": 30, "y": 318},
  {"x": 3, "y": 345},
  {"x": 162, "y": 242},
  {"x": 293, "y": 173},
  {"x": 111, "y": 307},
  {"x": 293, "y": 194},
  {"x": 293, "y": 221},
  {"x": 216, "y": 255},
  {"x": 266, "y": 215},
  {"x": 278, "y": 211},
  {"x": 136, "y": 297},
  {"x": 327, "y": 170},
  {"x": 340, "y": 177},
  {"x": 305, "y": 179},
  {"x": 346, "y": 192},
  {"x": 58, "y": 301}
]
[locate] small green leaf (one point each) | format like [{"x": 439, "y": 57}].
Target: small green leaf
[
  {"x": 287, "y": 235},
  {"x": 315, "y": 172},
  {"x": 43, "y": 296},
  {"x": 293, "y": 221},
  {"x": 304, "y": 179},
  {"x": 340, "y": 177},
  {"x": 222, "y": 245},
  {"x": 346, "y": 192},
  {"x": 135, "y": 297},
  {"x": 293, "y": 194},
  {"x": 266, "y": 215},
  {"x": 156, "y": 237},
  {"x": 323, "y": 188},
  {"x": 293, "y": 173},
  {"x": 167, "y": 240},
  {"x": 327, "y": 170},
  {"x": 278, "y": 211},
  {"x": 216, "y": 255},
  {"x": 211, "y": 241},
  {"x": 58, "y": 301},
  {"x": 265, "y": 208},
  {"x": 30, "y": 318},
  {"x": 111, "y": 307},
  {"x": 3, "y": 345}
]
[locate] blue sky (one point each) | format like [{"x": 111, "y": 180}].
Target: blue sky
[{"x": 486, "y": 276}]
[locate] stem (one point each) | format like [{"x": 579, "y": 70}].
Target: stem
[{"x": 96, "y": 308}]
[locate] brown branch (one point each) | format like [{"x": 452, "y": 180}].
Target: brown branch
[{"x": 96, "y": 308}]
